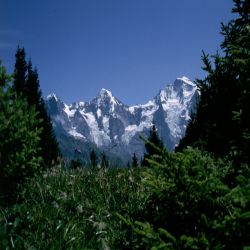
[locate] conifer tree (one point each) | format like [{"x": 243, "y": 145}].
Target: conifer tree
[
  {"x": 93, "y": 158},
  {"x": 20, "y": 72},
  {"x": 153, "y": 145},
  {"x": 222, "y": 121},
  {"x": 26, "y": 84},
  {"x": 104, "y": 160},
  {"x": 134, "y": 161},
  {"x": 19, "y": 140}
]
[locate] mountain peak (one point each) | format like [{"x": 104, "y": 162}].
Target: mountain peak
[
  {"x": 52, "y": 96},
  {"x": 105, "y": 93},
  {"x": 186, "y": 80},
  {"x": 106, "y": 101}
]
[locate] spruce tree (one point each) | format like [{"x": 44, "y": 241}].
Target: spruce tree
[
  {"x": 20, "y": 72},
  {"x": 104, "y": 160},
  {"x": 134, "y": 161},
  {"x": 153, "y": 145},
  {"x": 49, "y": 146},
  {"x": 93, "y": 158},
  {"x": 222, "y": 121},
  {"x": 26, "y": 84}
]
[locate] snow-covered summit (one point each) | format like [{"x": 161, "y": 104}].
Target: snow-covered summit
[
  {"x": 186, "y": 80},
  {"x": 105, "y": 93},
  {"x": 52, "y": 96}
]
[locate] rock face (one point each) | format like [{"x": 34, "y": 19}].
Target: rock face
[{"x": 116, "y": 128}]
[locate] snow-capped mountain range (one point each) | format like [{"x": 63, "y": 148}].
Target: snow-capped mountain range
[{"x": 116, "y": 128}]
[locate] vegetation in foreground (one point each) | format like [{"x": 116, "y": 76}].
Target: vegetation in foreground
[{"x": 182, "y": 203}]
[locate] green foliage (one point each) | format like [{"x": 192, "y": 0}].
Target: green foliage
[
  {"x": 72, "y": 210},
  {"x": 187, "y": 197},
  {"x": 181, "y": 203},
  {"x": 221, "y": 124},
  {"x": 19, "y": 140},
  {"x": 153, "y": 146},
  {"x": 20, "y": 72},
  {"x": 26, "y": 84}
]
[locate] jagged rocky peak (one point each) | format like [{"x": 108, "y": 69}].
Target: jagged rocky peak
[
  {"x": 179, "y": 90},
  {"x": 184, "y": 83},
  {"x": 104, "y": 93},
  {"x": 52, "y": 96},
  {"x": 106, "y": 101},
  {"x": 54, "y": 104}
]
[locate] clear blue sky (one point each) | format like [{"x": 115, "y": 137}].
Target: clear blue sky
[{"x": 131, "y": 47}]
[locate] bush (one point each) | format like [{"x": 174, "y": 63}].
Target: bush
[{"x": 189, "y": 206}]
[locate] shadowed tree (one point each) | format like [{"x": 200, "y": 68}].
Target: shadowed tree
[
  {"x": 19, "y": 140},
  {"x": 93, "y": 158},
  {"x": 134, "y": 161},
  {"x": 104, "y": 161},
  {"x": 26, "y": 84},
  {"x": 20, "y": 72},
  {"x": 153, "y": 145},
  {"x": 221, "y": 124}
]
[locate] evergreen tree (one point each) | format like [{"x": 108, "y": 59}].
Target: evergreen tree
[
  {"x": 20, "y": 72},
  {"x": 19, "y": 140},
  {"x": 93, "y": 158},
  {"x": 32, "y": 90},
  {"x": 104, "y": 161},
  {"x": 222, "y": 122},
  {"x": 153, "y": 145},
  {"x": 4, "y": 78},
  {"x": 27, "y": 83},
  {"x": 134, "y": 161}
]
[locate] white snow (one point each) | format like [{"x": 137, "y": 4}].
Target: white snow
[
  {"x": 52, "y": 95},
  {"x": 105, "y": 121},
  {"x": 104, "y": 93},
  {"x": 131, "y": 128},
  {"x": 99, "y": 113},
  {"x": 74, "y": 133},
  {"x": 186, "y": 80},
  {"x": 70, "y": 112},
  {"x": 98, "y": 136}
]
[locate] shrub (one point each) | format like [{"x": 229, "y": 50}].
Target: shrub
[{"x": 189, "y": 206}]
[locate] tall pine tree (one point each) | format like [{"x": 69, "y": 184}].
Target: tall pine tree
[
  {"x": 153, "y": 145},
  {"x": 222, "y": 122},
  {"x": 26, "y": 84},
  {"x": 134, "y": 161},
  {"x": 20, "y": 72}
]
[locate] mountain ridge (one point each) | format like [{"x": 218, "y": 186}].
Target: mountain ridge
[{"x": 116, "y": 127}]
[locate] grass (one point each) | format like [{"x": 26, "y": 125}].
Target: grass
[
  {"x": 73, "y": 210},
  {"x": 183, "y": 200}
]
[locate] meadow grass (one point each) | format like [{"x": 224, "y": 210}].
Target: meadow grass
[{"x": 73, "y": 210}]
